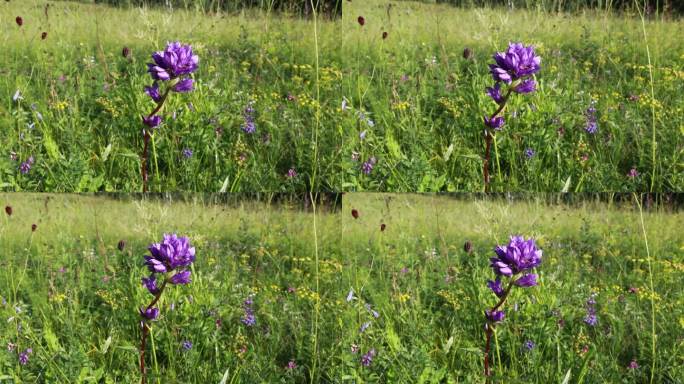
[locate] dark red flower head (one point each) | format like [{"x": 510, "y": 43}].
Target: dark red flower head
[
  {"x": 34, "y": 227},
  {"x": 468, "y": 247},
  {"x": 121, "y": 245},
  {"x": 125, "y": 52},
  {"x": 467, "y": 53},
  {"x": 8, "y": 210},
  {"x": 19, "y": 21},
  {"x": 355, "y": 213},
  {"x": 361, "y": 21},
  {"x": 43, "y": 36},
  {"x": 384, "y": 35},
  {"x": 382, "y": 227}
]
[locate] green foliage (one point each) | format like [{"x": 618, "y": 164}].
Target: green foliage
[
  {"x": 427, "y": 100},
  {"x": 72, "y": 297}
]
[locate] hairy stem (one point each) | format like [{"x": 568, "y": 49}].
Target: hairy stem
[
  {"x": 490, "y": 328},
  {"x": 146, "y": 139},
  {"x": 146, "y": 331},
  {"x": 488, "y": 141}
]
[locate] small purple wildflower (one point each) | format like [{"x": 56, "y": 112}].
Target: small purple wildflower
[
  {"x": 367, "y": 167},
  {"x": 633, "y": 364},
  {"x": 152, "y": 121},
  {"x": 249, "y": 126},
  {"x": 591, "y": 319},
  {"x": 495, "y": 316},
  {"x": 151, "y": 284},
  {"x": 495, "y": 93},
  {"x": 350, "y": 295},
  {"x": 364, "y": 327},
  {"x": 367, "y": 359},
  {"x": 633, "y": 173},
  {"x": 372, "y": 311},
  {"x": 496, "y": 286},
  {"x": 528, "y": 280},
  {"x": 153, "y": 92},
  {"x": 25, "y": 167},
  {"x": 248, "y": 319},
  {"x": 529, "y": 153},
  {"x": 592, "y": 126},
  {"x": 291, "y": 173},
  {"x": 187, "y": 153},
  {"x": 187, "y": 345},
  {"x": 149, "y": 313},
  {"x": 495, "y": 123},
  {"x": 291, "y": 365},
  {"x": 528, "y": 345},
  {"x": 24, "y": 356}
]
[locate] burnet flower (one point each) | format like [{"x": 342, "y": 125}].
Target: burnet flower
[{"x": 512, "y": 266}]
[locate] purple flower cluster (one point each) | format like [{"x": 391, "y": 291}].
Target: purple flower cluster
[
  {"x": 528, "y": 345},
  {"x": 517, "y": 63},
  {"x": 512, "y": 260},
  {"x": 24, "y": 356},
  {"x": 175, "y": 62},
  {"x": 187, "y": 153},
  {"x": 248, "y": 319},
  {"x": 518, "y": 256},
  {"x": 516, "y": 68},
  {"x": 367, "y": 359},
  {"x": 173, "y": 65},
  {"x": 591, "y": 319},
  {"x": 367, "y": 167},
  {"x": 633, "y": 173},
  {"x": 529, "y": 153},
  {"x": 25, "y": 167},
  {"x": 592, "y": 126},
  {"x": 249, "y": 127},
  {"x": 173, "y": 254}
]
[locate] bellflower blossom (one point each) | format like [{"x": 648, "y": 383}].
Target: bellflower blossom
[
  {"x": 513, "y": 263},
  {"x": 171, "y": 67},
  {"x": 516, "y": 68},
  {"x": 169, "y": 260}
]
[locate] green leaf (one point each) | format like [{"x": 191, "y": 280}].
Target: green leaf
[
  {"x": 393, "y": 147},
  {"x": 51, "y": 339},
  {"x": 51, "y": 147}
]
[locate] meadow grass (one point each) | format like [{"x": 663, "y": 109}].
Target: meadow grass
[
  {"x": 72, "y": 297},
  {"x": 430, "y": 293},
  {"x": 427, "y": 101},
  {"x": 70, "y": 294},
  {"x": 414, "y": 104},
  {"x": 82, "y": 100}
]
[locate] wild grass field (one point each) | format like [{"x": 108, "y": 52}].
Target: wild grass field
[
  {"x": 73, "y": 102},
  {"x": 70, "y": 292},
  {"x": 430, "y": 293},
  {"x": 278, "y": 297},
  {"x": 283, "y": 103},
  {"x": 426, "y": 101}
]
